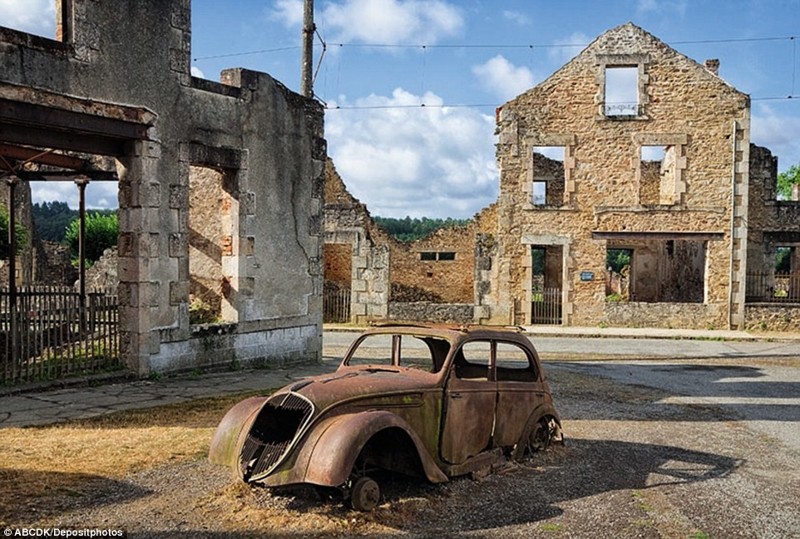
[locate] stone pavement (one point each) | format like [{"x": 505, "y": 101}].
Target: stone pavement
[
  {"x": 54, "y": 405},
  {"x": 58, "y": 405}
]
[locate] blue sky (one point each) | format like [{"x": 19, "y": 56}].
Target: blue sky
[{"x": 462, "y": 59}]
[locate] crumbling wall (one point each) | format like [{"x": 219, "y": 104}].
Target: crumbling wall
[
  {"x": 108, "y": 90},
  {"x": 682, "y": 105}
]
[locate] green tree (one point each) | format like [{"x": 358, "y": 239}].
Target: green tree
[
  {"x": 408, "y": 229},
  {"x": 51, "y": 219},
  {"x": 101, "y": 233},
  {"x": 21, "y": 234},
  {"x": 616, "y": 259},
  {"x": 786, "y": 180}
]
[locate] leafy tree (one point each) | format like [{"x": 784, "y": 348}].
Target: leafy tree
[
  {"x": 102, "y": 230},
  {"x": 52, "y": 219},
  {"x": 786, "y": 180},
  {"x": 616, "y": 259},
  {"x": 21, "y": 234},
  {"x": 408, "y": 229}
]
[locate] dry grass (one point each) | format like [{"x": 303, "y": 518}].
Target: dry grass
[{"x": 41, "y": 465}]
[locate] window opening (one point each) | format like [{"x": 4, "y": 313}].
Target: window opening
[
  {"x": 447, "y": 256},
  {"x": 427, "y": 256},
  {"x": 662, "y": 271},
  {"x": 658, "y": 175},
  {"x": 211, "y": 217},
  {"x": 549, "y": 179},
  {"x": 622, "y": 91},
  {"x": 513, "y": 364},
  {"x": 472, "y": 360}
]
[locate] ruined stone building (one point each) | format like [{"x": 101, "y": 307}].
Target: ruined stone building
[
  {"x": 629, "y": 150},
  {"x": 656, "y": 163},
  {"x": 435, "y": 278},
  {"x": 220, "y": 184}
]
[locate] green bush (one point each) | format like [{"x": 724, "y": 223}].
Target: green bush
[
  {"x": 21, "y": 234},
  {"x": 101, "y": 233}
]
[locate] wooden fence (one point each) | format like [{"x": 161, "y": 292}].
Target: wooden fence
[
  {"x": 48, "y": 333},
  {"x": 765, "y": 287}
]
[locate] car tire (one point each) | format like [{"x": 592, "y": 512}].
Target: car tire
[{"x": 365, "y": 494}]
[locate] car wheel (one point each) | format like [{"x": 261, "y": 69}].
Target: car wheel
[
  {"x": 539, "y": 438},
  {"x": 365, "y": 494}
]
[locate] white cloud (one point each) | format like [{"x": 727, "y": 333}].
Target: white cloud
[
  {"x": 405, "y": 159},
  {"x": 33, "y": 16},
  {"x": 567, "y": 48},
  {"x": 777, "y": 131},
  {"x": 389, "y": 22},
  {"x": 98, "y": 194},
  {"x": 289, "y": 12},
  {"x": 197, "y": 72},
  {"x": 502, "y": 79},
  {"x": 516, "y": 17}
]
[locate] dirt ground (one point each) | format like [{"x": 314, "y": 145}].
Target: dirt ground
[{"x": 631, "y": 467}]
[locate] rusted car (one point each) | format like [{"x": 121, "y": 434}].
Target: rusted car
[{"x": 425, "y": 400}]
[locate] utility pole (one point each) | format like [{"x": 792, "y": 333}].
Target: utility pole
[{"x": 308, "y": 49}]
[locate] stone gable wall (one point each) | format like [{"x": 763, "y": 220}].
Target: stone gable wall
[{"x": 682, "y": 104}]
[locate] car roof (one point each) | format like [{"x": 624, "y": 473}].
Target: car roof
[{"x": 448, "y": 331}]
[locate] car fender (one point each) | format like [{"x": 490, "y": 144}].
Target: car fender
[
  {"x": 226, "y": 445},
  {"x": 543, "y": 410},
  {"x": 331, "y": 450}
]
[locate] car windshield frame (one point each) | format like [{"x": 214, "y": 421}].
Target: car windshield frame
[{"x": 430, "y": 350}]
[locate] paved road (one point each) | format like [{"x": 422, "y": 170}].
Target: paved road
[
  {"x": 765, "y": 394},
  {"x": 783, "y": 384},
  {"x": 599, "y": 348}
]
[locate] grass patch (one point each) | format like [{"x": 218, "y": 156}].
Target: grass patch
[
  {"x": 551, "y": 527},
  {"x": 42, "y": 465}
]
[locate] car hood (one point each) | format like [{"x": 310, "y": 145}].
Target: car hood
[{"x": 353, "y": 383}]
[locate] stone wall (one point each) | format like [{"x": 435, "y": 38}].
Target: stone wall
[
  {"x": 441, "y": 268},
  {"x": 432, "y": 312},
  {"x": 682, "y": 106},
  {"x": 773, "y": 317},
  {"x": 104, "y": 89}
]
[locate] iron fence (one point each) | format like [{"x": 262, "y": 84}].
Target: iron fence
[
  {"x": 546, "y": 306},
  {"x": 766, "y": 287},
  {"x": 49, "y": 333},
  {"x": 336, "y": 305}
]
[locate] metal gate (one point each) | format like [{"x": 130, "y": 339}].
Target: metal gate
[
  {"x": 546, "y": 306},
  {"x": 48, "y": 333},
  {"x": 336, "y": 305}
]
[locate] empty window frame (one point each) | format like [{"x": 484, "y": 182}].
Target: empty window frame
[
  {"x": 621, "y": 92},
  {"x": 658, "y": 183},
  {"x": 549, "y": 177},
  {"x": 440, "y": 256}
]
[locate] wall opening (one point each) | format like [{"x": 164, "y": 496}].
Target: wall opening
[
  {"x": 659, "y": 271},
  {"x": 621, "y": 91},
  {"x": 546, "y": 284},
  {"x": 212, "y": 208},
  {"x": 338, "y": 274},
  {"x": 549, "y": 179},
  {"x": 658, "y": 175},
  {"x": 618, "y": 273}
]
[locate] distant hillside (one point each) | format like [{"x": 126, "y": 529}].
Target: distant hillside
[{"x": 409, "y": 229}]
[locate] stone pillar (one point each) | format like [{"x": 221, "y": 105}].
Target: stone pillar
[{"x": 138, "y": 222}]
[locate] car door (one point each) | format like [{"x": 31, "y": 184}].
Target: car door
[
  {"x": 519, "y": 392},
  {"x": 469, "y": 403}
]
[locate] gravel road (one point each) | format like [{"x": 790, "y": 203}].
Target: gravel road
[{"x": 672, "y": 448}]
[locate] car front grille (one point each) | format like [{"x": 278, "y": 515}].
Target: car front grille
[{"x": 279, "y": 423}]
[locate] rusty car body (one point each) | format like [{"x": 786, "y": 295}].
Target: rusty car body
[{"x": 427, "y": 400}]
